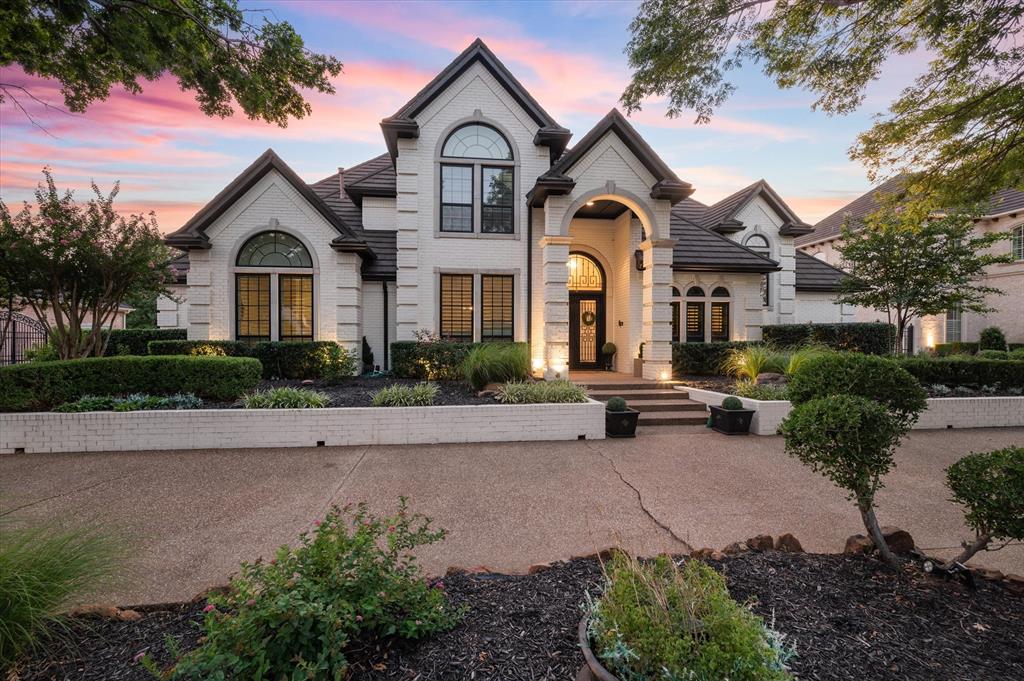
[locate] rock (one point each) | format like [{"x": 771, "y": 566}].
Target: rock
[
  {"x": 734, "y": 548},
  {"x": 479, "y": 570},
  {"x": 703, "y": 553},
  {"x": 538, "y": 567},
  {"x": 898, "y": 541},
  {"x": 96, "y": 610},
  {"x": 985, "y": 573},
  {"x": 762, "y": 542},
  {"x": 858, "y": 543},
  {"x": 129, "y": 615},
  {"x": 789, "y": 543},
  {"x": 604, "y": 555},
  {"x": 769, "y": 378}
]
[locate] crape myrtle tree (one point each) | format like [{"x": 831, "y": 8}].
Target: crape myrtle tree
[
  {"x": 958, "y": 128},
  {"x": 909, "y": 269},
  {"x": 222, "y": 53},
  {"x": 79, "y": 262}
]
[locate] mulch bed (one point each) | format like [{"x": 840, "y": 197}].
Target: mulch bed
[
  {"x": 722, "y": 384},
  {"x": 848, "y": 617},
  {"x": 357, "y": 392}
]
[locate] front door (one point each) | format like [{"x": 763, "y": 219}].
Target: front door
[{"x": 586, "y": 330}]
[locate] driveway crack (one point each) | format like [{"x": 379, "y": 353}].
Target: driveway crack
[
  {"x": 640, "y": 498},
  {"x": 58, "y": 496},
  {"x": 337, "y": 490}
]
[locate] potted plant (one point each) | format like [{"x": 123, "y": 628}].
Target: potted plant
[
  {"x": 608, "y": 350},
  {"x": 620, "y": 420},
  {"x": 731, "y": 418}
]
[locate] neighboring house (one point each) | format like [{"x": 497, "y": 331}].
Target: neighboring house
[
  {"x": 1004, "y": 213},
  {"x": 480, "y": 225}
]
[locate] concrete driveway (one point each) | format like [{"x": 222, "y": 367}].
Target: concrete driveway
[{"x": 191, "y": 516}]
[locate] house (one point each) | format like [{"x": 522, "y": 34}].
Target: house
[
  {"x": 480, "y": 223},
  {"x": 1004, "y": 212}
]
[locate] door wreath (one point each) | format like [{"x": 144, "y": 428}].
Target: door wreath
[{"x": 588, "y": 318}]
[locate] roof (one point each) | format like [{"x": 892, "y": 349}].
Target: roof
[
  {"x": 556, "y": 181},
  {"x": 1002, "y": 202},
  {"x": 375, "y": 177},
  {"x": 193, "y": 234},
  {"x": 381, "y": 241},
  {"x": 817, "y": 275},
  {"x": 403, "y": 123},
  {"x": 699, "y": 249},
  {"x": 721, "y": 216}
]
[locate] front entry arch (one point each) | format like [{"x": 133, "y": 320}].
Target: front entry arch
[{"x": 586, "y": 311}]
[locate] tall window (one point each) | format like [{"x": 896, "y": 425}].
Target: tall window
[
  {"x": 1017, "y": 243},
  {"x": 496, "y": 307},
  {"x": 477, "y": 155},
  {"x": 954, "y": 325},
  {"x": 675, "y": 315},
  {"x": 457, "y": 307},
  {"x": 273, "y": 289},
  {"x": 719, "y": 315},
  {"x": 759, "y": 245},
  {"x": 695, "y": 315}
]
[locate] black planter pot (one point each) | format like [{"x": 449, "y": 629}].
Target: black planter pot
[
  {"x": 731, "y": 421},
  {"x": 620, "y": 423},
  {"x": 592, "y": 670},
  {"x": 608, "y": 362}
]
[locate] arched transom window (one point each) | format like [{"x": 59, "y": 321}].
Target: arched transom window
[
  {"x": 477, "y": 173},
  {"x": 700, "y": 308},
  {"x": 273, "y": 289},
  {"x": 584, "y": 273}
]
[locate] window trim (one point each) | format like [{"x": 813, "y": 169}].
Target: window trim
[
  {"x": 472, "y": 306},
  {"x": 442, "y": 203},
  {"x": 1017, "y": 243},
  {"x": 511, "y": 207},
  {"x": 957, "y": 317},
  {"x": 764, "y": 249},
  {"x": 268, "y": 277}
]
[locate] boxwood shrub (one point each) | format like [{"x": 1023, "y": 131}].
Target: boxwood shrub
[
  {"x": 872, "y": 338},
  {"x": 280, "y": 359},
  {"x": 703, "y": 359},
  {"x": 135, "y": 341},
  {"x": 43, "y": 385},
  {"x": 967, "y": 371}
]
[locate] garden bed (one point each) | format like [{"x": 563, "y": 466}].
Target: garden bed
[
  {"x": 358, "y": 392},
  {"x": 848, "y": 617}
]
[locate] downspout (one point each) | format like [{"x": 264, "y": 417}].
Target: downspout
[
  {"x": 387, "y": 347},
  {"x": 529, "y": 277}
]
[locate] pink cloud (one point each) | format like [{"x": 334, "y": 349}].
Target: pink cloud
[{"x": 814, "y": 208}]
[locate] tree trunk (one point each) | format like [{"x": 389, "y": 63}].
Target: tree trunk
[
  {"x": 979, "y": 543},
  {"x": 867, "y": 514}
]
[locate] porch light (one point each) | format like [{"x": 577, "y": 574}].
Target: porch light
[
  {"x": 538, "y": 363},
  {"x": 638, "y": 255},
  {"x": 665, "y": 375}
]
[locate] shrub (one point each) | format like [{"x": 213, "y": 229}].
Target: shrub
[
  {"x": 990, "y": 487},
  {"x": 760, "y": 392},
  {"x": 750, "y": 361},
  {"x": 955, "y": 348},
  {"x": 135, "y": 341},
  {"x": 793, "y": 359},
  {"x": 41, "y": 386},
  {"x": 496, "y": 363},
  {"x": 367, "y": 356},
  {"x": 876, "y": 378},
  {"x": 732, "y": 403},
  {"x": 873, "y": 338},
  {"x": 541, "y": 392},
  {"x": 609, "y": 349},
  {"x": 851, "y": 440},
  {"x": 659, "y": 621},
  {"x": 199, "y": 348},
  {"x": 1016, "y": 354},
  {"x": 433, "y": 360},
  {"x": 701, "y": 359},
  {"x": 993, "y": 354},
  {"x": 285, "y": 398},
  {"x": 397, "y": 395},
  {"x": 41, "y": 570},
  {"x": 991, "y": 338},
  {"x": 305, "y": 359},
  {"x": 352, "y": 580},
  {"x": 616, "y": 404},
  {"x": 135, "y": 402},
  {"x": 966, "y": 371}
]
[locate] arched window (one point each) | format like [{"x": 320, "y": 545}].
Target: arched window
[
  {"x": 700, "y": 307},
  {"x": 676, "y": 313},
  {"x": 759, "y": 244},
  {"x": 273, "y": 289},
  {"x": 719, "y": 315},
  {"x": 1017, "y": 247},
  {"x": 720, "y": 292},
  {"x": 477, "y": 175},
  {"x": 695, "y": 308},
  {"x": 695, "y": 292},
  {"x": 584, "y": 273}
]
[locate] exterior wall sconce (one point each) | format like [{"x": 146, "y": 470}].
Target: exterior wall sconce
[{"x": 638, "y": 255}]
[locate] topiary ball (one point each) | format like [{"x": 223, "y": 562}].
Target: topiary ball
[
  {"x": 732, "y": 403},
  {"x": 616, "y": 404}
]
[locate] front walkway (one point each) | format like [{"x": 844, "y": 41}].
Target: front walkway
[{"x": 192, "y": 516}]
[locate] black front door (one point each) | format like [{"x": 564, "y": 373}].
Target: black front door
[{"x": 586, "y": 330}]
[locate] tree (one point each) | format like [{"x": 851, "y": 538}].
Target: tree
[
  {"x": 79, "y": 262},
  {"x": 210, "y": 46},
  {"x": 990, "y": 487},
  {"x": 959, "y": 127},
  {"x": 912, "y": 270}
]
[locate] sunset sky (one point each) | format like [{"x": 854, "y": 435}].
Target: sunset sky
[{"x": 172, "y": 159}]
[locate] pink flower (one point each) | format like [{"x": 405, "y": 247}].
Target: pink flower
[
  {"x": 359, "y": 618},
  {"x": 209, "y": 607},
  {"x": 418, "y": 622},
  {"x": 138, "y": 656},
  {"x": 391, "y": 528},
  {"x": 381, "y": 594},
  {"x": 316, "y": 523},
  {"x": 439, "y": 585},
  {"x": 64, "y": 242},
  {"x": 251, "y": 602}
]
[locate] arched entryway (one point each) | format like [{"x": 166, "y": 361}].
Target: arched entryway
[{"x": 587, "y": 311}]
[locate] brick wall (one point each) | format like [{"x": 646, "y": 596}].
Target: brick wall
[{"x": 240, "y": 428}]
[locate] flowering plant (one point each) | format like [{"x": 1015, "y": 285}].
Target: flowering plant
[{"x": 352, "y": 578}]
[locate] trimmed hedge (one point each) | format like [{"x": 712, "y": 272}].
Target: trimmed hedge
[
  {"x": 136, "y": 341},
  {"x": 871, "y": 338},
  {"x": 956, "y": 348},
  {"x": 199, "y": 348},
  {"x": 967, "y": 371},
  {"x": 280, "y": 359},
  {"x": 439, "y": 360},
  {"x": 702, "y": 359},
  {"x": 44, "y": 385}
]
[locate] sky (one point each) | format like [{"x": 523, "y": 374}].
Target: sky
[{"x": 170, "y": 158}]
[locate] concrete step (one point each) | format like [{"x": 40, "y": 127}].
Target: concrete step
[
  {"x": 672, "y": 418},
  {"x": 651, "y": 394},
  {"x": 645, "y": 406},
  {"x": 631, "y": 386}
]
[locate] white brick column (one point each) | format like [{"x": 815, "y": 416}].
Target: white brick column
[
  {"x": 199, "y": 280},
  {"x": 554, "y": 257},
  {"x": 657, "y": 313},
  {"x": 349, "y": 297}
]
